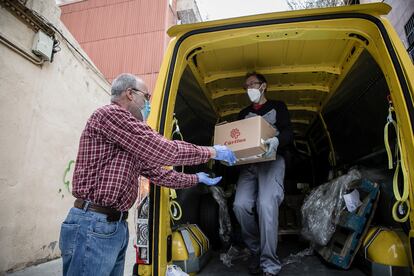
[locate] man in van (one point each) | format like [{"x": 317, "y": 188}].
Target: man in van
[
  {"x": 116, "y": 147},
  {"x": 260, "y": 185}
]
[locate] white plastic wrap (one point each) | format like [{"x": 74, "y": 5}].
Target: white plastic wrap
[
  {"x": 321, "y": 209},
  {"x": 173, "y": 270},
  {"x": 298, "y": 257},
  {"x": 234, "y": 254}
]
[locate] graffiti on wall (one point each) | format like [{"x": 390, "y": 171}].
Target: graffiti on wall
[{"x": 66, "y": 183}]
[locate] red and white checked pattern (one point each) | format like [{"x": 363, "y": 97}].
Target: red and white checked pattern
[{"x": 115, "y": 148}]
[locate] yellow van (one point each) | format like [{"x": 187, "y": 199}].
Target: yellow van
[{"x": 341, "y": 72}]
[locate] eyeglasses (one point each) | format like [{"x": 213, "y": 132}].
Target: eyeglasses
[
  {"x": 147, "y": 96},
  {"x": 252, "y": 84}
]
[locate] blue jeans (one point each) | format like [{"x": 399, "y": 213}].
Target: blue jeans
[{"x": 91, "y": 245}]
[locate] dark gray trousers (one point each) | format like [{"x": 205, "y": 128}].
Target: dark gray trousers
[{"x": 261, "y": 185}]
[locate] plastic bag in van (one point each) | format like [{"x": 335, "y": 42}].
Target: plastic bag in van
[
  {"x": 224, "y": 217},
  {"x": 321, "y": 209},
  {"x": 173, "y": 270},
  {"x": 233, "y": 254}
]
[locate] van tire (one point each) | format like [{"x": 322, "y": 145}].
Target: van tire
[{"x": 209, "y": 219}]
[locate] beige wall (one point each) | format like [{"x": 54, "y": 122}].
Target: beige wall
[{"x": 42, "y": 113}]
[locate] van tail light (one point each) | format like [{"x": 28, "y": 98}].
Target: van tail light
[{"x": 142, "y": 246}]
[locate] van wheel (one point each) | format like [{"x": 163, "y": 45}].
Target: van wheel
[{"x": 209, "y": 219}]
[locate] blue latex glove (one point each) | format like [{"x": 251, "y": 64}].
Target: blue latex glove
[
  {"x": 206, "y": 179},
  {"x": 272, "y": 144},
  {"x": 223, "y": 153}
]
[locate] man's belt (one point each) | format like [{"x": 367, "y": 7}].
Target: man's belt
[{"x": 112, "y": 214}]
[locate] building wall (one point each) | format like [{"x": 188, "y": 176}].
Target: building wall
[
  {"x": 401, "y": 12},
  {"x": 43, "y": 110},
  {"x": 122, "y": 35},
  {"x": 188, "y": 12},
  {"x": 399, "y": 16}
]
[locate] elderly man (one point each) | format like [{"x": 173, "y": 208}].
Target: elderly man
[
  {"x": 116, "y": 147},
  {"x": 260, "y": 185}
]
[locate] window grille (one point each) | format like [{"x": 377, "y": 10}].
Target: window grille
[{"x": 409, "y": 31}]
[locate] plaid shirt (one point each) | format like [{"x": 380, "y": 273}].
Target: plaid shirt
[{"x": 115, "y": 149}]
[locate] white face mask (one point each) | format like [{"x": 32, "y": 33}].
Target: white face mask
[{"x": 254, "y": 94}]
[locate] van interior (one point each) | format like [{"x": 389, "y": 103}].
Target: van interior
[{"x": 337, "y": 96}]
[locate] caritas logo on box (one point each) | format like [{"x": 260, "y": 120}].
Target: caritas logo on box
[{"x": 234, "y": 134}]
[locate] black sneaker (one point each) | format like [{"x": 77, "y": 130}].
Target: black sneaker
[
  {"x": 254, "y": 265},
  {"x": 268, "y": 274}
]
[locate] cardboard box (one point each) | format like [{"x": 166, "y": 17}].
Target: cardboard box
[{"x": 246, "y": 138}]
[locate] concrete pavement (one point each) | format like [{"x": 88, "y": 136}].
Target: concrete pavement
[{"x": 54, "y": 268}]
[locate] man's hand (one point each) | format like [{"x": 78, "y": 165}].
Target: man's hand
[
  {"x": 272, "y": 144},
  {"x": 223, "y": 153},
  {"x": 204, "y": 178}
]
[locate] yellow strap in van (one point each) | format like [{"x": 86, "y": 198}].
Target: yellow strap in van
[{"x": 400, "y": 199}]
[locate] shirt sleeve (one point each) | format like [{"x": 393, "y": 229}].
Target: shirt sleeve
[
  {"x": 284, "y": 125},
  {"x": 169, "y": 178},
  {"x": 148, "y": 146}
]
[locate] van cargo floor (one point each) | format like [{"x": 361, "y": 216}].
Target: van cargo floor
[{"x": 308, "y": 265}]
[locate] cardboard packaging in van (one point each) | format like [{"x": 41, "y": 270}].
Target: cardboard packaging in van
[{"x": 246, "y": 138}]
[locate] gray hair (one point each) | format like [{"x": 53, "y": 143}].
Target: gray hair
[{"x": 122, "y": 83}]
